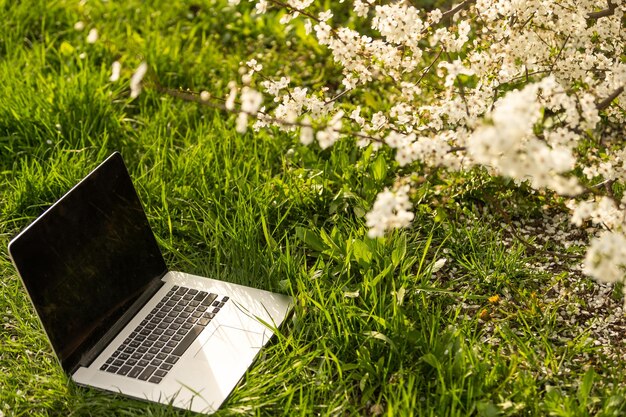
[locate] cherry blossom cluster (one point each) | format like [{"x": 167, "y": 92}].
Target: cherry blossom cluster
[{"x": 531, "y": 90}]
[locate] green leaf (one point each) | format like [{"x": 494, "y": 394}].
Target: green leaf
[
  {"x": 362, "y": 253},
  {"x": 585, "y": 387},
  {"x": 380, "y": 336},
  {"x": 487, "y": 409},
  {"x": 399, "y": 251},
  {"x": 310, "y": 239},
  {"x": 66, "y": 49},
  {"x": 432, "y": 360},
  {"x": 379, "y": 168}
]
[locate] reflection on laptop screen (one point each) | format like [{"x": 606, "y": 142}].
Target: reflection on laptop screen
[{"x": 87, "y": 259}]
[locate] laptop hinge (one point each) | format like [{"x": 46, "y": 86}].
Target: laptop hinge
[{"x": 88, "y": 357}]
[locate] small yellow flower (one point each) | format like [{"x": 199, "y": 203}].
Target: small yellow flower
[
  {"x": 484, "y": 314},
  {"x": 494, "y": 299}
]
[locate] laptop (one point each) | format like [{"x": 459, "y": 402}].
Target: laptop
[{"x": 118, "y": 319}]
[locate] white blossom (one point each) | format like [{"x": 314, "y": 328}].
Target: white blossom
[
  {"x": 116, "y": 68},
  {"x": 390, "y": 211},
  {"x": 137, "y": 77},
  {"x": 92, "y": 36},
  {"x": 232, "y": 95}
]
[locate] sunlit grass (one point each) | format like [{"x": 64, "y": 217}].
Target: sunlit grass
[{"x": 376, "y": 331}]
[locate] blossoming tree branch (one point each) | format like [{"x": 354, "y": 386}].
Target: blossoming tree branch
[{"x": 526, "y": 89}]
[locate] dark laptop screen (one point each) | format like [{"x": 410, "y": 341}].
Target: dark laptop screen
[{"x": 87, "y": 259}]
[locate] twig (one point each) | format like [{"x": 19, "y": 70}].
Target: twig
[
  {"x": 607, "y": 101},
  {"x": 456, "y": 9},
  {"x": 609, "y": 11}
]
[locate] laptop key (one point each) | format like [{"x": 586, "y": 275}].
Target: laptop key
[
  {"x": 166, "y": 366},
  {"x": 225, "y": 299},
  {"x": 200, "y": 296},
  {"x": 209, "y": 300},
  {"x": 113, "y": 369},
  {"x": 124, "y": 370},
  {"x": 143, "y": 363},
  {"x": 147, "y": 373},
  {"x": 172, "y": 359},
  {"x": 134, "y": 373},
  {"x": 160, "y": 373},
  {"x": 203, "y": 321},
  {"x": 156, "y": 379},
  {"x": 104, "y": 367},
  {"x": 186, "y": 342}
]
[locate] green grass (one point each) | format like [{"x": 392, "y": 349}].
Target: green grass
[{"x": 261, "y": 210}]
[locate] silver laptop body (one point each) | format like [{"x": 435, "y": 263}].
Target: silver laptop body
[{"x": 118, "y": 319}]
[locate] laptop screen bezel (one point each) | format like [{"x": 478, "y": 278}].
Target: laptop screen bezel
[{"x": 78, "y": 356}]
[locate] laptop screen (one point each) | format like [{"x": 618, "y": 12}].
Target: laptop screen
[{"x": 87, "y": 259}]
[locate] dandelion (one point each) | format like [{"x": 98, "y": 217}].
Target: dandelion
[
  {"x": 494, "y": 299},
  {"x": 116, "y": 67},
  {"x": 135, "y": 80},
  {"x": 79, "y": 26},
  {"x": 92, "y": 36},
  {"x": 205, "y": 95}
]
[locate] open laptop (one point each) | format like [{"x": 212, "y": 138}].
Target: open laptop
[{"x": 118, "y": 319}]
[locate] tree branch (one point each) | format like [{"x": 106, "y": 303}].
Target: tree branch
[
  {"x": 609, "y": 11},
  {"x": 601, "y": 105},
  {"x": 456, "y": 9}
]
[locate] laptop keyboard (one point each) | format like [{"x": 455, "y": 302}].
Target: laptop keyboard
[{"x": 164, "y": 335}]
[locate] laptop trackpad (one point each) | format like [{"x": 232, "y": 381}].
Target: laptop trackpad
[{"x": 230, "y": 343}]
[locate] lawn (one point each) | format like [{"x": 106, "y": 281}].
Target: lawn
[{"x": 479, "y": 308}]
